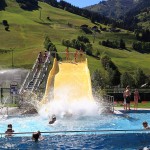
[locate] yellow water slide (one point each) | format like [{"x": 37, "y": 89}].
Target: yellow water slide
[{"x": 69, "y": 81}]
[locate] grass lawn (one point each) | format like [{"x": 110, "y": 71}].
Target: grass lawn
[{"x": 143, "y": 104}]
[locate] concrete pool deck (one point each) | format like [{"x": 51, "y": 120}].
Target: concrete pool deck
[{"x": 14, "y": 111}]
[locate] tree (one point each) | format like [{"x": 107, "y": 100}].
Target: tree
[
  {"x": 83, "y": 39},
  {"x": 89, "y": 49},
  {"x": 2, "y": 4},
  {"x": 67, "y": 43},
  {"x": 145, "y": 35},
  {"x": 105, "y": 60},
  {"x": 126, "y": 79},
  {"x": 139, "y": 77},
  {"x": 28, "y": 4},
  {"x": 47, "y": 43},
  {"x": 97, "y": 80},
  {"x": 113, "y": 77},
  {"x": 122, "y": 44}
]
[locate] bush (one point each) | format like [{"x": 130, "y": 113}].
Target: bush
[
  {"x": 89, "y": 49},
  {"x": 47, "y": 43},
  {"x": 66, "y": 43},
  {"x": 7, "y": 28},
  {"x": 83, "y": 39},
  {"x": 87, "y": 30},
  {"x": 48, "y": 18},
  {"x": 113, "y": 44},
  {"x": 97, "y": 53},
  {"x": 142, "y": 47},
  {"x": 5, "y": 23},
  {"x": 81, "y": 42}
]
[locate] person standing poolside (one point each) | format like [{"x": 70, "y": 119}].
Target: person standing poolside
[
  {"x": 9, "y": 130},
  {"x": 127, "y": 96},
  {"x": 136, "y": 99},
  {"x": 67, "y": 53},
  {"x": 124, "y": 102}
]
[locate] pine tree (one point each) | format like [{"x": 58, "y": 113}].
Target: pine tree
[{"x": 122, "y": 44}]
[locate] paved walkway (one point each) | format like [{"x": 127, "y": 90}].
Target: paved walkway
[{"x": 10, "y": 111}]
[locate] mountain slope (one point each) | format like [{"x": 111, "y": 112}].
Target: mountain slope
[
  {"x": 139, "y": 16},
  {"x": 27, "y": 31},
  {"x": 113, "y": 8}
]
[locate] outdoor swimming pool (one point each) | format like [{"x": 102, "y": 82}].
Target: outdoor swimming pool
[
  {"x": 93, "y": 139},
  {"x": 90, "y": 142},
  {"x": 98, "y": 122}
]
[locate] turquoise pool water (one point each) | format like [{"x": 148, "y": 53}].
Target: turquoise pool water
[
  {"x": 97, "y": 122},
  {"x": 121, "y": 140}
]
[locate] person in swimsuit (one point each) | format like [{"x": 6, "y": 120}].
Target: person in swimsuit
[
  {"x": 53, "y": 119},
  {"x": 36, "y": 136},
  {"x": 136, "y": 99},
  {"x": 81, "y": 54},
  {"x": 127, "y": 96},
  {"x": 145, "y": 125},
  {"x": 9, "y": 130}
]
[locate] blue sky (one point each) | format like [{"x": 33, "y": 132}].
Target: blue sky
[{"x": 82, "y": 3}]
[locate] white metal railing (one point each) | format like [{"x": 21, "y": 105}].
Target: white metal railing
[
  {"x": 113, "y": 131},
  {"x": 29, "y": 76},
  {"x": 3, "y": 112},
  {"x": 32, "y": 73},
  {"x": 40, "y": 74},
  {"x": 109, "y": 101}
]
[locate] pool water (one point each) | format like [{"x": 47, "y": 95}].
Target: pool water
[
  {"x": 77, "y": 142},
  {"x": 98, "y": 122},
  {"x": 107, "y": 140}
]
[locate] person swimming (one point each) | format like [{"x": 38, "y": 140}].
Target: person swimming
[
  {"x": 9, "y": 131},
  {"x": 36, "y": 136},
  {"x": 53, "y": 119},
  {"x": 145, "y": 125}
]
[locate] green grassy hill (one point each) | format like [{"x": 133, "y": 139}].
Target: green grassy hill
[{"x": 27, "y": 33}]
